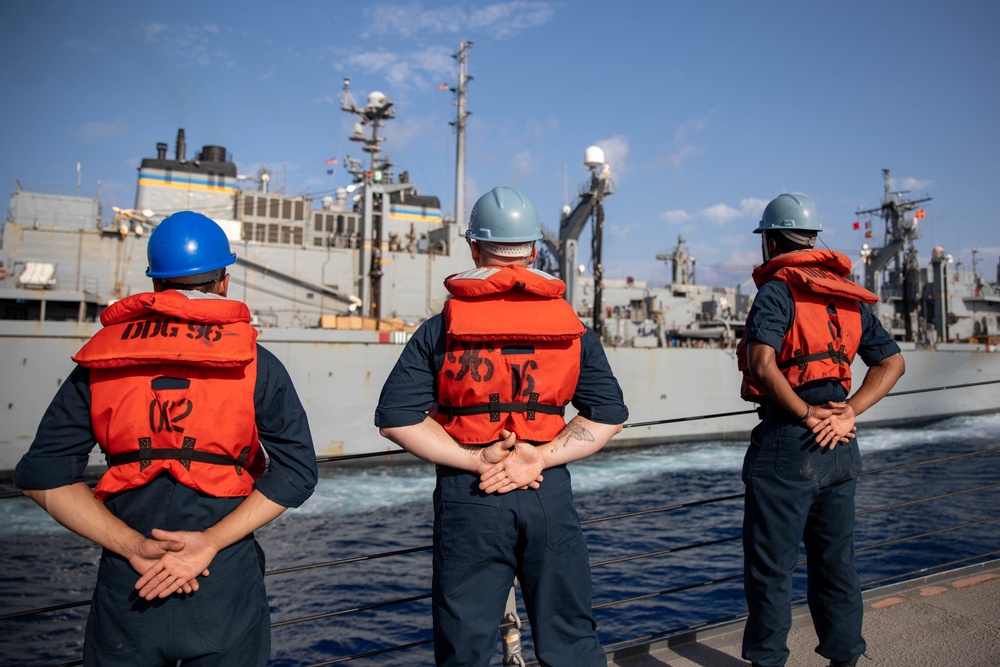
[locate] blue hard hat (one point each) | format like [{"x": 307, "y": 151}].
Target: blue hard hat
[
  {"x": 504, "y": 215},
  {"x": 790, "y": 212},
  {"x": 185, "y": 244}
]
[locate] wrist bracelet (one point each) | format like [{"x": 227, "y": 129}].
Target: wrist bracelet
[{"x": 809, "y": 410}]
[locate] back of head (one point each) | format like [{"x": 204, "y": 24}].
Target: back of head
[
  {"x": 504, "y": 223},
  {"x": 792, "y": 220},
  {"x": 188, "y": 248}
]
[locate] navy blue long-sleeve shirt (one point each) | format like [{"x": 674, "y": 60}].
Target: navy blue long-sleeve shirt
[{"x": 771, "y": 317}]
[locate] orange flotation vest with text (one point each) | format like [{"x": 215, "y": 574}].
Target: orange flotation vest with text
[
  {"x": 826, "y": 329},
  {"x": 513, "y": 355},
  {"x": 172, "y": 383}
]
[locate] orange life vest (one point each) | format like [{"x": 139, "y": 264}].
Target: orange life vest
[
  {"x": 826, "y": 329},
  {"x": 172, "y": 384},
  {"x": 513, "y": 355}
]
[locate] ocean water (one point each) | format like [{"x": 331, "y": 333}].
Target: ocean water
[{"x": 673, "y": 560}]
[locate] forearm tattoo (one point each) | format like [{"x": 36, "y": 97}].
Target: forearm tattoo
[{"x": 573, "y": 431}]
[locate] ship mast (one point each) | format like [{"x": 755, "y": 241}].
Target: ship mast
[
  {"x": 460, "y": 124},
  {"x": 377, "y": 182},
  {"x": 898, "y": 248}
]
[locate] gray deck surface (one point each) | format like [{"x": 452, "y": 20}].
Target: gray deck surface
[{"x": 946, "y": 620}]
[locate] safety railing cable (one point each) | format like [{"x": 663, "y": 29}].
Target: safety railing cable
[
  {"x": 673, "y": 420},
  {"x": 656, "y": 510}
]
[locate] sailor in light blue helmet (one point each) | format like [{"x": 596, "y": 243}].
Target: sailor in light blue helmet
[
  {"x": 790, "y": 221},
  {"x": 504, "y": 223},
  {"x": 807, "y": 325},
  {"x": 188, "y": 248}
]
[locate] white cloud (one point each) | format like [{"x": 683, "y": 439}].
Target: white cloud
[
  {"x": 615, "y": 152},
  {"x": 522, "y": 164},
  {"x": 911, "y": 184},
  {"x": 620, "y": 230},
  {"x": 753, "y": 207},
  {"x": 680, "y": 156},
  {"x": 406, "y": 71},
  {"x": 683, "y": 141},
  {"x": 197, "y": 45},
  {"x": 684, "y": 132},
  {"x": 498, "y": 20},
  {"x": 509, "y": 18},
  {"x": 720, "y": 213},
  {"x": 152, "y": 31},
  {"x": 676, "y": 217}
]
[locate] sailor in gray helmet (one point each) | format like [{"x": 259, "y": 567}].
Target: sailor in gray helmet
[
  {"x": 480, "y": 390},
  {"x": 807, "y": 323}
]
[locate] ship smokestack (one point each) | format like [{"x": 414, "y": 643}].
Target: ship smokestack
[
  {"x": 161, "y": 151},
  {"x": 181, "y": 148}
]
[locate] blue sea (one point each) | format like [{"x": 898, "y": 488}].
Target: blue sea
[{"x": 665, "y": 554}]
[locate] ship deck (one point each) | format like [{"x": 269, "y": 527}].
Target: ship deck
[{"x": 952, "y": 618}]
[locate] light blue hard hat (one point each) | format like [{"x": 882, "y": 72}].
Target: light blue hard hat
[
  {"x": 790, "y": 212},
  {"x": 504, "y": 215},
  {"x": 186, "y": 244}
]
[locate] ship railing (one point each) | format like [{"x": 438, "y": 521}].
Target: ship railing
[{"x": 984, "y": 459}]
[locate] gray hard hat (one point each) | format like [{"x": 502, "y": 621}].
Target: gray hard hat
[
  {"x": 792, "y": 213},
  {"x": 504, "y": 215}
]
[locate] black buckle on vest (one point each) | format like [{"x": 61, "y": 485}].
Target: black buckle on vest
[
  {"x": 532, "y": 405},
  {"x": 241, "y": 463},
  {"x": 494, "y": 407},
  {"x": 186, "y": 450},
  {"x": 800, "y": 360},
  {"x": 145, "y": 453}
]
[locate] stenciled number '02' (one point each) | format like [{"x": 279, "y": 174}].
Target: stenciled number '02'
[{"x": 165, "y": 416}]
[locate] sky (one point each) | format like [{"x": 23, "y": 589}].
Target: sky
[{"x": 705, "y": 110}]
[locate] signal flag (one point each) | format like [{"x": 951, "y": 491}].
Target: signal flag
[
  {"x": 332, "y": 160},
  {"x": 857, "y": 225},
  {"x": 919, "y": 214},
  {"x": 443, "y": 86},
  {"x": 868, "y": 234}
]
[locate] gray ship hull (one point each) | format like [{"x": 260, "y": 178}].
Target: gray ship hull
[{"x": 339, "y": 374}]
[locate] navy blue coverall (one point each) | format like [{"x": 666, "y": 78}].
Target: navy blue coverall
[
  {"x": 481, "y": 542},
  {"x": 795, "y": 491}
]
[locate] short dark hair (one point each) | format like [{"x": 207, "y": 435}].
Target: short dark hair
[
  {"x": 206, "y": 286},
  {"x": 785, "y": 244}
]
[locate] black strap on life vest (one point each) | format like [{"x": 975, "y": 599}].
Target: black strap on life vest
[
  {"x": 187, "y": 453},
  {"x": 495, "y": 407},
  {"x": 800, "y": 360}
]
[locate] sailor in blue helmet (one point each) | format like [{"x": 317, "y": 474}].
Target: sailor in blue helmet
[
  {"x": 807, "y": 323},
  {"x": 184, "y": 403},
  {"x": 481, "y": 391}
]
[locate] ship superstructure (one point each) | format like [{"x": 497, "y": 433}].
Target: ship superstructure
[{"x": 940, "y": 303}]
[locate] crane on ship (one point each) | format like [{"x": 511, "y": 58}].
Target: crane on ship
[{"x": 589, "y": 206}]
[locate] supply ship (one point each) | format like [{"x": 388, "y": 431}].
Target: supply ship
[{"x": 336, "y": 286}]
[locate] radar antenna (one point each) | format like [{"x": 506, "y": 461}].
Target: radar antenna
[
  {"x": 897, "y": 249},
  {"x": 377, "y": 184}
]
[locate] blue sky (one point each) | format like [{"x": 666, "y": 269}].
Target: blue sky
[{"x": 705, "y": 110}]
